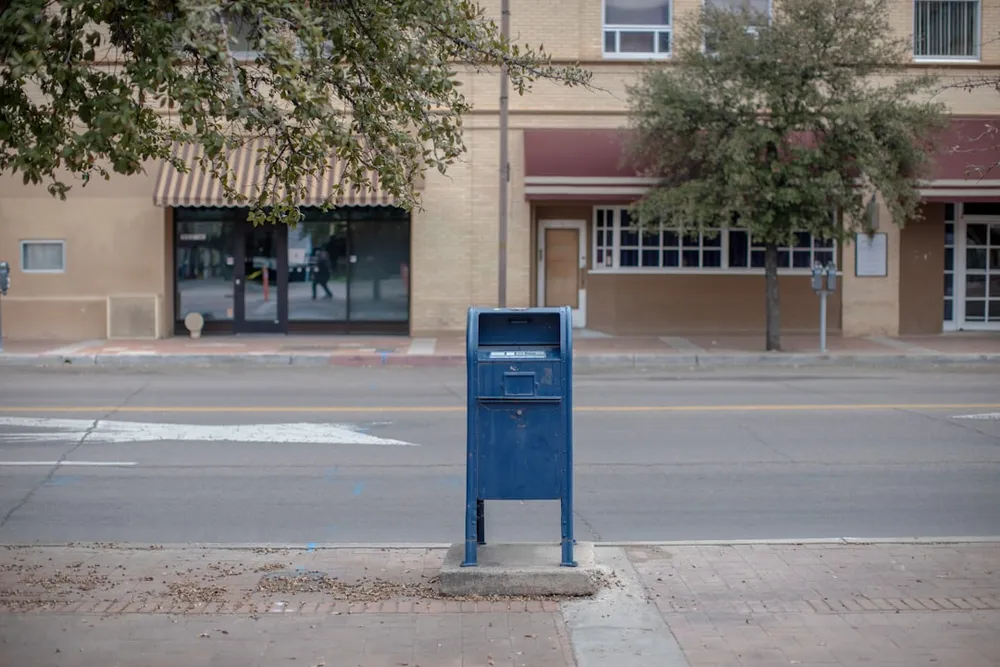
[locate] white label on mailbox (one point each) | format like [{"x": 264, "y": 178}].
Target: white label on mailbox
[{"x": 517, "y": 354}]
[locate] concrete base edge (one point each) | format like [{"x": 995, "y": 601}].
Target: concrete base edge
[{"x": 518, "y": 569}]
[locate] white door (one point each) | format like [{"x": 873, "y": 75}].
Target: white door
[
  {"x": 562, "y": 261},
  {"x": 977, "y": 274}
]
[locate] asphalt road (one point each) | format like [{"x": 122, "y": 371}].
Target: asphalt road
[{"x": 296, "y": 456}]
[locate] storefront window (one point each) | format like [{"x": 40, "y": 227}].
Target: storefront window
[
  {"x": 317, "y": 271},
  {"x": 204, "y": 265}
]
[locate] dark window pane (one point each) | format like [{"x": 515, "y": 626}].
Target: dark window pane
[
  {"x": 600, "y": 217},
  {"x": 651, "y": 239},
  {"x": 982, "y": 208},
  {"x": 949, "y": 233},
  {"x": 757, "y": 259},
  {"x": 949, "y": 211},
  {"x": 994, "y": 287},
  {"x": 975, "y": 258},
  {"x": 949, "y": 260},
  {"x": 671, "y": 258},
  {"x": 205, "y": 267},
  {"x": 994, "y": 313},
  {"x": 948, "y": 311},
  {"x": 663, "y": 42},
  {"x": 975, "y": 286},
  {"x": 976, "y": 234},
  {"x": 949, "y": 284},
  {"x": 636, "y": 42},
  {"x": 650, "y": 257},
  {"x": 600, "y": 238},
  {"x": 824, "y": 257},
  {"x": 600, "y": 258},
  {"x": 636, "y": 12},
  {"x": 802, "y": 240},
  {"x": 995, "y": 259},
  {"x": 628, "y": 237},
  {"x": 739, "y": 249},
  {"x": 712, "y": 239},
  {"x": 975, "y": 310},
  {"x": 711, "y": 259},
  {"x": 822, "y": 243},
  {"x": 784, "y": 259},
  {"x": 629, "y": 258},
  {"x": 610, "y": 39},
  {"x": 669, "y": 239},
  {"x": 802, "y": 259},
  {"x": 690, "y": 258},
  {"x": 379, "y": 278}
]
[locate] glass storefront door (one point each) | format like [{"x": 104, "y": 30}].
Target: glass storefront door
[
  {"x": 260, "y": 280},
  {"x": 972, "y": 269}
]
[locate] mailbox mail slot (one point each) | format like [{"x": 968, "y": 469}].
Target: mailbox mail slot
[{"x": 519, "y": 365}]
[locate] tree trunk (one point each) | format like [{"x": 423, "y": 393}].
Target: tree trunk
[{"x": 773, "y": 305}]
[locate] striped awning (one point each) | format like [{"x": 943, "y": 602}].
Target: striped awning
[{"x": 198, "y": 188}]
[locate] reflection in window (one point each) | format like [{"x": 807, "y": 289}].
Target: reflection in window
[{"x": 204, "y": 264}]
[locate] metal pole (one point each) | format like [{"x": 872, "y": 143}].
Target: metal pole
[
  {"x": 1, "y": 323},
  {"x": 504, "y": 164},
  {"x": 822, "y": 321}
]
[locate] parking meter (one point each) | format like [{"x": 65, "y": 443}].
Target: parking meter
[
  {"x": 831, "y": 277},
  {"x": 817, "y": 277},
  {"x": 4, "y": 277}
]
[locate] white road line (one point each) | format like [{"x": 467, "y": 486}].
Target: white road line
[
  {"x": 422, "y": 346},
  {"x": 985, "y": 415},
  {"x": 93, "y": 464},
  {"x": 122, "y": 431}
]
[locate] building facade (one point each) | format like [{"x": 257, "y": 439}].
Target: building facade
[{"x": 130, "y": 258}]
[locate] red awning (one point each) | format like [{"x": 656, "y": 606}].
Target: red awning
[{"x": 587, "y": 164}]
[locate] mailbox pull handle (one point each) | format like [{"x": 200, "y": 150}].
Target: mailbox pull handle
[{"x": 519, "y": 320}]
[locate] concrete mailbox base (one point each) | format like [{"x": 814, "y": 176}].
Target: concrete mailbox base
[{"x": 519, "y": 569}]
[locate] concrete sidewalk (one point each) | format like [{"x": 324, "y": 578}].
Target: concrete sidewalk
[
  {"x": 591, "y": 350},
  {"x": 697, "y": 605}
]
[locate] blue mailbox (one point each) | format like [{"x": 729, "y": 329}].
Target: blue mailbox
[{"x": 520, "y": 415}]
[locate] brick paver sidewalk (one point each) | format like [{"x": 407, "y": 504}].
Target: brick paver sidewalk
[
  {"x": 878, "y": 605},
  {"x": 98, "y": 607},
  {"x": 754, "y": 605}
]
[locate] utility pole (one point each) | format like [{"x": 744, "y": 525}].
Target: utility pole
[{"x": 504, "y": 163}]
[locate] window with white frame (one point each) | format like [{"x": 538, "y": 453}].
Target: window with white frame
[
  {"x": 946, "y": 29},
  {"x": 618, "y": 244},
  {"x": 43, "y": 256},
  {"x": 637, "y": 28},
  {"x": 243, "y": 36}
]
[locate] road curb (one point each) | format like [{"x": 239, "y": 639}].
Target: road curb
[
  {"x": 399, "y": 546},
  {"x": 580, "y": 361}
]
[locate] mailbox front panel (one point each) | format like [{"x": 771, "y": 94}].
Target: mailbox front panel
[
  {"x": 522, "y": 450},
  {"x": 542, "y": 379}
]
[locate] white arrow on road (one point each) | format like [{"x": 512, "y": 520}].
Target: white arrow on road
[
  {"x": 985, "y": 415},
  {"x": 120, "y": 431}
]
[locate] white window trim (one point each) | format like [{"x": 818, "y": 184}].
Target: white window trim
[
  {"x": 636, "y": 55},
  {"x": 961, "y": 271},
  {"x": 950, "y": 60},
  {"x": 616, "y": 269},
  {"x": 62, "y": 250}
]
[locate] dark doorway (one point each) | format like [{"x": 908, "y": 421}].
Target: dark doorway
[{"x": 260, "y": 279}]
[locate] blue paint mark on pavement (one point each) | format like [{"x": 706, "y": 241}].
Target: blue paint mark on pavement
[
  {"x": 63, "y": 480},
  {"x": 358, "y": 488},
  {"x": 330, "y": 473},
  {"x": 453, "y": 481},
  {"x": 311, "y": 546}
]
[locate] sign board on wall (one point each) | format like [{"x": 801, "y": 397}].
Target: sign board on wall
[{"x": 871, "y": 255}]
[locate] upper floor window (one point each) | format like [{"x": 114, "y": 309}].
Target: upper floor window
[
  {"x": 946, "y": 29},
  {"x": 637, "y": 28},
  {"x": 43, "y": 256}
]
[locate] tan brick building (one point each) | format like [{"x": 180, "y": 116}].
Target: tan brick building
[{"x": 132, "y": 257}]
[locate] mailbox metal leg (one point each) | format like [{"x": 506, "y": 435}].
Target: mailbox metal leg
[
  {"x": 567, "y": 534},
  {"x": 471, "y": 529},
  {"x": 480, "y": 521}
]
